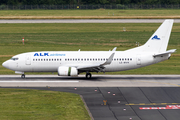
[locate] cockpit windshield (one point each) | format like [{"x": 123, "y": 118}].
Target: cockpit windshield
[{"x": 14, "y": 59}]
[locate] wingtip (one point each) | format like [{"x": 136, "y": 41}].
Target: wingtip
[{"x": 114, "y": 49}]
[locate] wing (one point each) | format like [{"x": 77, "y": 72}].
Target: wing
[{"x": 97, "y": 67}]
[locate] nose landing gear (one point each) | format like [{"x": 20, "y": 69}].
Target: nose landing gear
[{"x": 23, "y": 76}]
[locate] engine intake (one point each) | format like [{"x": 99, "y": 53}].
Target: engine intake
[{"x": 67, "y": 71}]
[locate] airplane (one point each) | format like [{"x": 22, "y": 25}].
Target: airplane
[{"x": 72, "y": 63}]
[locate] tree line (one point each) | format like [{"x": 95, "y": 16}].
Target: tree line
[{"x": 86, "y": 2}]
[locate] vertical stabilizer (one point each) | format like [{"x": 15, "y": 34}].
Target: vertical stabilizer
[{"x": 159, "y": 40}]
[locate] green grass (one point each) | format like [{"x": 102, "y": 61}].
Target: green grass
[
  {"x": 21, "y": 104},
  {"x": 87, "y": 37},
  {"x": 98, "y": 12}
]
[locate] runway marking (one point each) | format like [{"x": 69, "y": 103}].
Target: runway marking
[
  {"x": 153, "y": 104},
  {"x": 36, "y": 81},
  {"x": 144, "y": 81},
  {"x": 178, "y": 85},
  {"x": 162, "y": 108}
]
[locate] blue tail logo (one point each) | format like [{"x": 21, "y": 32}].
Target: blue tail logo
[{"x": 155, "y": 38}]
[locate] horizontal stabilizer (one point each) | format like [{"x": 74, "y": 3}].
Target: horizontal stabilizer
[{"x": 167, "y": 52}]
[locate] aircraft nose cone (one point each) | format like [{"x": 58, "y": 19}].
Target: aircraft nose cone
[{"x": 5, "y": 64}]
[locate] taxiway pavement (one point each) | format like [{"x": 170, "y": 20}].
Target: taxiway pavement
[
  {"x": 113, "y": 97},
  {"x": 127, "y": 103}
]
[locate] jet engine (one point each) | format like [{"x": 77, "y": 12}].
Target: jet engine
[{"x": 67, "y": 71}]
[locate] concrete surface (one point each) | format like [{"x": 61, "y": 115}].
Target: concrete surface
[{"x": 96, "y": 81}]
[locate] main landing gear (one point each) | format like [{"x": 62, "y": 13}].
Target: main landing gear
[
  {"x": 88, "y": 75},
  {"x": 23, "y": 76}
]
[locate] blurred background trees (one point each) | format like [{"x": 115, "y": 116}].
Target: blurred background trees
[{"x": 84, "y": 2}]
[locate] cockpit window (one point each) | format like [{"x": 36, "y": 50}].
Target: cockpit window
[{"x": 14, "y": 59}]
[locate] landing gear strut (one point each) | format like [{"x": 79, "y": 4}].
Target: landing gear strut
[
  {"x": 88, "y": 75},
  {"x": 23, "y": 76}
]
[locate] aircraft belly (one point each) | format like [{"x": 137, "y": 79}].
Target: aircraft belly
[
  {"x": 161, "y": 58},
  {"x": 120, "y": 66},
  {"x": 45, "y": 69}
]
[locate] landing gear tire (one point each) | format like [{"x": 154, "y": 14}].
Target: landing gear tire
[
  {"x": 23, "y": 76},
  {"x": 88, "y": 75}
]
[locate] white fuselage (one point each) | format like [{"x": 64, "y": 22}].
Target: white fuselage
[{"x": 49, "y": 61}]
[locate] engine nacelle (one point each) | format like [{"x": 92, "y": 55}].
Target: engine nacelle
[{"x": 67, "y": 71}]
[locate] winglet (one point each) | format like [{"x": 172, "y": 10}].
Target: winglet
[
  {"x": 109, "y": 59},
  {"x": 114, "y": 49}
]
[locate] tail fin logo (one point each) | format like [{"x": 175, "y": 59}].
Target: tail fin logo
[{"x": 155, "y": 38}]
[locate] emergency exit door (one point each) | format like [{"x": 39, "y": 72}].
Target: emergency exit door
[{"x": 28, "y": 60}]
